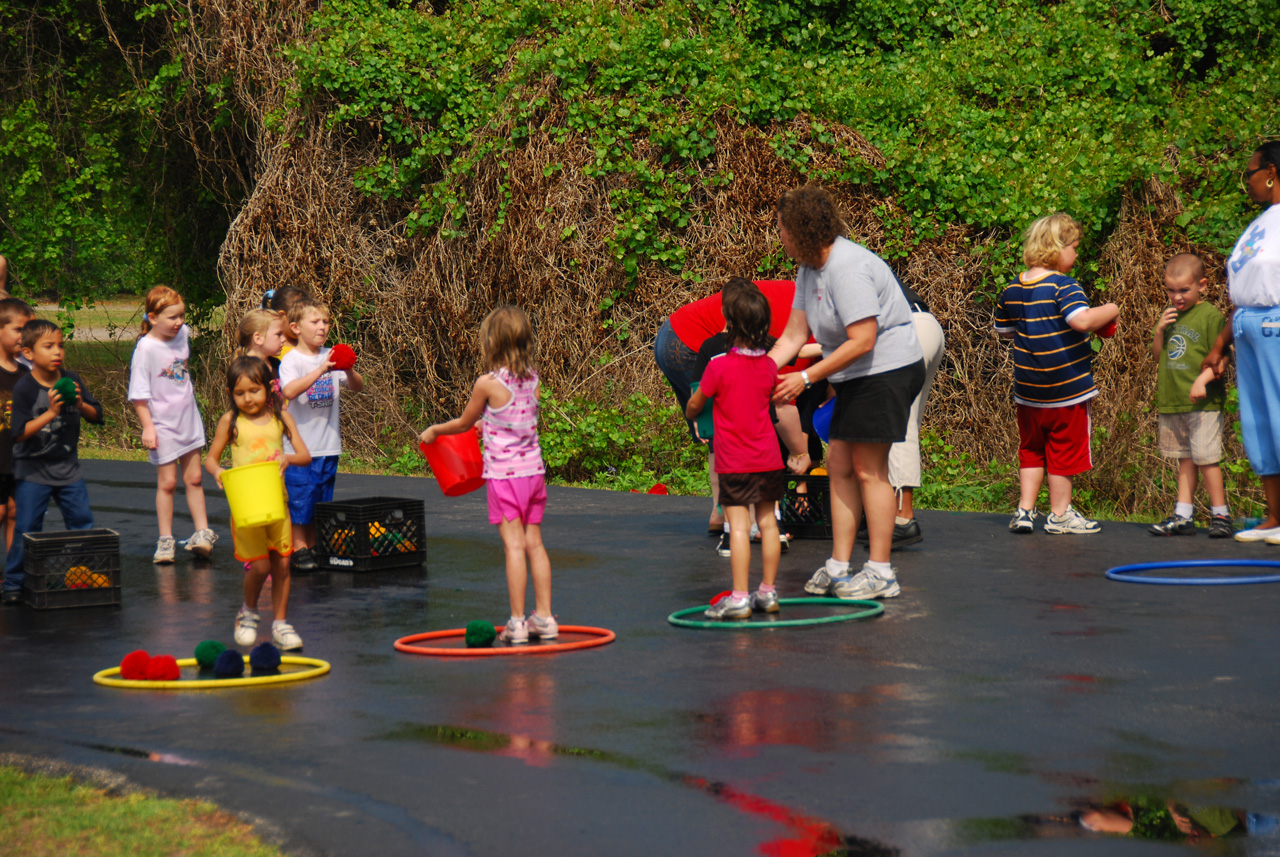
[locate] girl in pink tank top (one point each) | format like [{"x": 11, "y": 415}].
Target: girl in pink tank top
[{"x": 506, "y": 399}]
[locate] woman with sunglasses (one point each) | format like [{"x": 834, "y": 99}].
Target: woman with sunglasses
[{"x": 1253, "y": 280}]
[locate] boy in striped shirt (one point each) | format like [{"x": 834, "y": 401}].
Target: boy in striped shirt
[{"x": 1048, "y": 317}]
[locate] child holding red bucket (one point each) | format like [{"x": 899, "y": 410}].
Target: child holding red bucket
[
  {"x": 255, "y": 428},
  {"x": 506, "y": 400},
  {"x": 748, "y": 460}
]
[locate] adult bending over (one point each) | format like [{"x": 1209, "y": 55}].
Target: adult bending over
[
  {"x": 1253, "y": 281},
  {"x": 850, "y": 300}
]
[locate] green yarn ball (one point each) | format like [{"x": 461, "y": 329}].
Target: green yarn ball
[
  {"x": 66, "y": 388},
  {"x": 480, "y": 635},
  {"x": 207, "y": 652}
]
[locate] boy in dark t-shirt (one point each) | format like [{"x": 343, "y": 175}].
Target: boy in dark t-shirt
[
  {"x": 14, "y": 314},
  {"x": 46, "y": 432}
]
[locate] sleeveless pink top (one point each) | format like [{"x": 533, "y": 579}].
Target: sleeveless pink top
[{"x": 511, "y": 448}]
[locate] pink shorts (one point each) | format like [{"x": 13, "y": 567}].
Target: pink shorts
[{"x": 522, "y": 499}]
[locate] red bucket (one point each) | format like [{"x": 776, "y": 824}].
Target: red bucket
[{"x": 455, "y": 460}]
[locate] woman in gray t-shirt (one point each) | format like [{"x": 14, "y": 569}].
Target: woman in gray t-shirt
[{"x": 849, "y": 299}]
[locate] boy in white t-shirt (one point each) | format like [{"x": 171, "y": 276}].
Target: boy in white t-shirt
[{"x": 309, "y": 381}]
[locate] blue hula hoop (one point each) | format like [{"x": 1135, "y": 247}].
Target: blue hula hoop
[{"x": 1129, "y": 573}]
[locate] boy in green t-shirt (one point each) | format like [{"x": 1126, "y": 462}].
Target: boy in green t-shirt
[{"x": 1190, "y": 400}]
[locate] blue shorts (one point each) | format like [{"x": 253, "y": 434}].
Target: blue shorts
[
  {"x": 1257, "y": 339},
  {"x": 310, "y": 485}
]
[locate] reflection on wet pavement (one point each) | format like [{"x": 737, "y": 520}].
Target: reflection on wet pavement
[{"x": 807, "y": 836}]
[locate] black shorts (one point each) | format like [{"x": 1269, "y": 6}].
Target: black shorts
[
  {"x": 876, "y": 408},
  {"x": 743, "y": 489},
  {"x": 7, "y": 484}
]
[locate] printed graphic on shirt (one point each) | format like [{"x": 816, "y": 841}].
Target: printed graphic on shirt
[
  {"x": 48, "y": 439},
  {"x": 176, "y": 372},
  {"x": 321, "y": 393},
  {"x": 6, "y": 410},
  {"x": 1249, "y": 249}
]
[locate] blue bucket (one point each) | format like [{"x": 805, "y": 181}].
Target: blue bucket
[{"x": 822, "y": 419}]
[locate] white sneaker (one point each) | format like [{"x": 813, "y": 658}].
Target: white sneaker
[
  {"x": 1070, "y": 522},
  {"x": 866, "y": 584},
  {"x": 201, "y": 542},
  {"x": 164, "y": 549},
  {"x": 285, "y": 638},
  {"x": 246, "y": 628},
  {"x": 819, "y": 583},
  {"x": 1258, "y": 534}
]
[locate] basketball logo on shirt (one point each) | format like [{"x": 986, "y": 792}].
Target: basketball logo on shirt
[
  {"x": 321, "y": 393},
  {"x": 1177, "y": 346}
]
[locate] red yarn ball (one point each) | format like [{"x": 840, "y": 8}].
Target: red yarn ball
[
  {"x": 163, "y": 668},
  {"x": 134, "y": 665},
  {"x": 342, "y": 356}
]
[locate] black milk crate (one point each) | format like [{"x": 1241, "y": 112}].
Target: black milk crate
[
  {"x": 370, "y": 534},
  {"x": 71, "y": 568},
  {"x": 807, "y": 515}
]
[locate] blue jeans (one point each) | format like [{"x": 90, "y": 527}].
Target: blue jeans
[
  {"x": 32, "y": 500},
  {"x": 676, "y": 361}
]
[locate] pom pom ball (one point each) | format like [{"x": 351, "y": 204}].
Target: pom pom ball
[
  {"x": 229, "y": 664},
  {"x": 134, "y": 665},
  {"x": 207, "y": 652},
  {"x": 342, "y": 356},
  {"x": 480, "y": 635},
  {"x": 163, "y": 668},
  {"x": 265, "y": 658},
  {"x": 66, "y": 388}
]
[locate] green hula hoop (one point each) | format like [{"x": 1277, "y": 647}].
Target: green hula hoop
[{"x": 874, "y": 608}]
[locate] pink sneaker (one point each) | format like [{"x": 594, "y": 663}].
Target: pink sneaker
[
  {"x": 543, "y": 629},
  {"x": 516, "y": 631}
]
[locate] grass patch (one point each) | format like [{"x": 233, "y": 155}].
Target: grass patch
[{"x": 43, "y": 815}]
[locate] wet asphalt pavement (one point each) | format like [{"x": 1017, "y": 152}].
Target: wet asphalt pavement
[{"x": 1008, "y": 686}]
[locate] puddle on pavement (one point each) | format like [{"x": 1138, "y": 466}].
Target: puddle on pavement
[{"x": 806, "y": 836}]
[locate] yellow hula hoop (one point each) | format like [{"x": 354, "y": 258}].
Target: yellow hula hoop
[{"x": 107, "y": 677}]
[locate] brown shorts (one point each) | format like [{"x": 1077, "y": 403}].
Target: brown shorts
[{"x": 743, "y": 489}]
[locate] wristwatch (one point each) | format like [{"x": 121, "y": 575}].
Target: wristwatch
[{"x": 804, "y": 376}]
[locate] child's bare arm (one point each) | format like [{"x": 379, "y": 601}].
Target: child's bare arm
[
  {"x": 355, "y": 381},
  {"x": 298, "y": 386},
  {"x": 143, "y": 408},
  {"x": 486, "y": 387},
  {"x": 301, "y": 456},
  {"x": 1168, "y": 317},
  {"x": 1199, "y": 387},
  {"x": 1094, "y": 318},
  {"x": 697, "y": 402},
  {"x": 221, "y": 436}
]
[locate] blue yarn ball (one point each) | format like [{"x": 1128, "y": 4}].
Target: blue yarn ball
[
  {"x": 265, "y": 658},
  {"x": 229, "y": 665}
]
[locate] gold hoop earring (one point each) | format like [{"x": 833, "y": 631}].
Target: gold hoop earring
[{"x": 1270, "y": 182}]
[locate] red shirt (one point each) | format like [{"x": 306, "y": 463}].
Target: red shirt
[
  {"x": 697, "y": 322},
  {"x": 741, "y": 386}
]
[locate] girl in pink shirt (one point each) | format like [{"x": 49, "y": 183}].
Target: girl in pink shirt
[
  {"x": 506, "y": 399},
  {"x": 748, "y": 461}
]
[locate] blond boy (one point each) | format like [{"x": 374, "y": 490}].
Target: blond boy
[
  {"x": 1188, "y": 398},
  {"x": 311, "y": 385}
]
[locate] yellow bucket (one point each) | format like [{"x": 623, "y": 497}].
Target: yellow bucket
[{"x": 255, "y": 493}]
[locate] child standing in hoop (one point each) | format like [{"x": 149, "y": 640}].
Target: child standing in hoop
[
  {"x": 507, "y": 400},
  {"x": 748, "y": 461}
]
